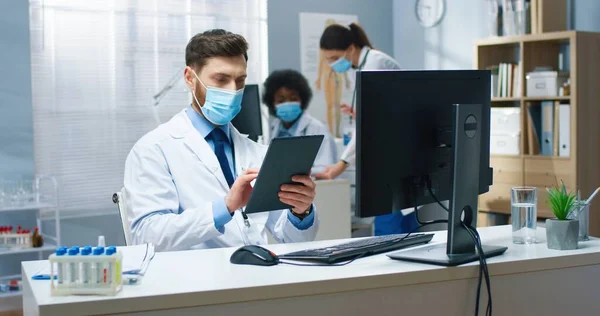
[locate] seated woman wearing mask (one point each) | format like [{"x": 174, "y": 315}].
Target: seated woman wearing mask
[{"x": 287, "y": 94}]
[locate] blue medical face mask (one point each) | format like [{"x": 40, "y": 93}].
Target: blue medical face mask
[
  {"x": 220, "y": 105},
  {"x": 288, "y": 111},
  {"x": 341, "y": 65}
]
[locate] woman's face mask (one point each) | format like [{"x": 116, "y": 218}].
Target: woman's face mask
[
  {"x": 288, "y": 111},
  {"x": 343, "y": 63}
]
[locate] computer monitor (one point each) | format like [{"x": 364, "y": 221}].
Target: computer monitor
[
  {"x": 249, "y": 121},
  {"x": 421, "y": 133}
]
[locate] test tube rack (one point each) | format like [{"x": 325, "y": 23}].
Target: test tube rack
[
  {"x": 15, "y": 240},
  {"x": 86, "y": 271}
]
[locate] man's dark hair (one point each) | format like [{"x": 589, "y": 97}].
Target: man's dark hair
[
  {"x": 290, "y": 79},
  {"x": 214, "y": 43}
]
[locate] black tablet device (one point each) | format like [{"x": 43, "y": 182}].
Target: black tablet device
[{"x": 286, "y": 157}]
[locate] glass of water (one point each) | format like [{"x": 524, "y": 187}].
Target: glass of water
[{"x": 523, "y": 201}]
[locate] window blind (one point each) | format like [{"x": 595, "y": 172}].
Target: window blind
[{"x": 98, "y": 69}]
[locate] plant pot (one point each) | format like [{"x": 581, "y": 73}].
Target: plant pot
[{"x": 562, "y": 235}]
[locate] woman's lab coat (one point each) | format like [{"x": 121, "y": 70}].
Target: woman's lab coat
[
  {"x": 375, "y": 60},
  {"x": 308, "y": 125},
  {"x": 172, "y": 177}
]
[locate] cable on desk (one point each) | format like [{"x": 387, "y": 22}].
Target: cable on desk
[{"x": 483, "y": 268}]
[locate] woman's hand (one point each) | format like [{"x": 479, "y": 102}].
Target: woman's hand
[
  {"x": 332, "y": 171},
  {"x": 348, "y": 110}
]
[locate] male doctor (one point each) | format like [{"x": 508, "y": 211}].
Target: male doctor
[{"x": 187, "y": 181}]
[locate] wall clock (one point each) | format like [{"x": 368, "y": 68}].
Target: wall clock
[{"x": 430, "y": 12}]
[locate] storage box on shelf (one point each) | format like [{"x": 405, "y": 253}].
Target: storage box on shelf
[
  {"x": 577, "y": 164},
  {"x": 506, "y": 131},
  {"x": 545, "y": 83}
]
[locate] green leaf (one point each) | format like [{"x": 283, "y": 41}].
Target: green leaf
[{"x": 560, "y": 201}]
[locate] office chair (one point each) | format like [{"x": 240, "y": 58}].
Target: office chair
[{"x": 119, "y": 198}]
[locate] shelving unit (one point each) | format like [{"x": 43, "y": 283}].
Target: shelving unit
[
  {"x": 46, "y": 201},
  {"x": 46, "y": 247},
  {"x": 581, "y": 170},
  {"x": 559, "y": 98},
  {"x": 29, "y": 207},
  {"x": 510, "y": 99},
  {"x": 11, "y": 293}
]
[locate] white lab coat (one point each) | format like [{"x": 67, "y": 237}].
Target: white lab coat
[
  {"x": 172, "y": 177},
  {"x": 308, "y": 125},
  {"x": 376, "y": 60}
]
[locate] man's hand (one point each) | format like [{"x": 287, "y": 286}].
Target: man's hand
[
  {"x": 240, "y": 191},
  {"x": 332, "y": 171},
  {"x": 300, "y": 196},
  {"x": 346, "y": 109},
  {"x": 318, "y": 84}
]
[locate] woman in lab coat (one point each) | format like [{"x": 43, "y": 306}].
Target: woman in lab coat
[
  {"x": 347, "y": 47},
  {"x": 287, "y": 95}
]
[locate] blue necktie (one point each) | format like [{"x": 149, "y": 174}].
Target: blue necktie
[{"x": 220, "y": 140}]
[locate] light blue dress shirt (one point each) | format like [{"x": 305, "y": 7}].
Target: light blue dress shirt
[
  {"x": 289, "y": 132},
  {"x": 221, "y": 215}
]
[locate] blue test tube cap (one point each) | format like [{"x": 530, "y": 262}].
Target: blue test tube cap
[
  {"x": 111, "y": 250},
  {"x": 73, "y": 251},
  {"x": 61, "y": 251},
  {"x": 98, "y": 251},
  {"x": 86, "y": 250}
]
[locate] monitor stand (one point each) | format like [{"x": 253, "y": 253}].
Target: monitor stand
[
  {"x": 437, "y": 255},
  {"x": 460, "y": 248}
]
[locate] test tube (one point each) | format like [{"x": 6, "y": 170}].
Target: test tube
[
  {"x": 101, "y": 242},
  {"x": 73, "y": 251},
  {"x": 97, "y": 266},
  {"x": 109, "y": 275},
  {"x": 27, "y": 238},
  {"x": 60, "y": 271},
  {"x": 85, "y": 265}
]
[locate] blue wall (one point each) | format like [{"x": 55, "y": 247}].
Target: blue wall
[
  {"x": 449, "y": 45},
  {"x": 16, "y": 127},
  {"x": 284, "y": 25}
]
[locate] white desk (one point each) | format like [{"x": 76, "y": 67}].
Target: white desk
[{"x": 527, "y": 280}]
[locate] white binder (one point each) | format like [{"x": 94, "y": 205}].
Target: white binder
[{"x": 564, "y": 130}]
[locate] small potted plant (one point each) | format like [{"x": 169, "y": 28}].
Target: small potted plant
[{"x": 562, "y": 233}]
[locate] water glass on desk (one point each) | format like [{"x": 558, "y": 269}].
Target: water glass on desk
[{"x": 523, "y": 201}]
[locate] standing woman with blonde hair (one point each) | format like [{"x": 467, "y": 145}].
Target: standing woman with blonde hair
[{"x": 346, "y": 47}]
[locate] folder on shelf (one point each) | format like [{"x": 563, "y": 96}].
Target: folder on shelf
[
  {"x": 510, "y": 67},
  {"x": 494, "y": 80},
  {"x": 534, "y": 17},
  {"x": 500, "y": 92},
  {"x": 506, "y": 81},
  {"x": 555, "y": 139},
  {"x": 564, "y": 130},
  {"x": 517, "y": 80},
  {"x": 547, "y": 128},
  {"x": 534, "y": 130}
]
